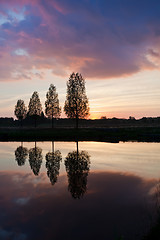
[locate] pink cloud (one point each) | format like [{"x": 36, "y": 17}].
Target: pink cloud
[{"x": 66, "y": 37}]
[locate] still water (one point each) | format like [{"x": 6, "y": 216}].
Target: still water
[{"x": 84, "y": 190}]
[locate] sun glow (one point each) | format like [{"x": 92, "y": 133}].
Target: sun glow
[{"x": 94, "y": 115}]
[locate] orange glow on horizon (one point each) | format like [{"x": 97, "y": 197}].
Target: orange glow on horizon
[{"x": 97, "y": 115}]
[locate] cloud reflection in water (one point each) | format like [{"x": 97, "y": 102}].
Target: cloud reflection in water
[{"x": 115, "y": 204}]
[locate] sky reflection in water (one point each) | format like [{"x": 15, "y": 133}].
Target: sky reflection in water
[{"x": 102, "y": 196}]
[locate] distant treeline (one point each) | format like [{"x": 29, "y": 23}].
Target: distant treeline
[{"x": 43, "y": 121}]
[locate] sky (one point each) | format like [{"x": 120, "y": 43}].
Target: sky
[{"x": 114, "y": 44}]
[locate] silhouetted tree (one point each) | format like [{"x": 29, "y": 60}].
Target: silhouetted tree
[
  {"x": 20, "y": 110},
  {"x": 131, "y": 118},
  {"x": 103, "y": 117},
  {"x": 76, "y": 104},
  {"x": 53, "y": 164},
  {"x": 35, "y": 107},
  {"x": 52, "y": 108},
  {"x": 35, "y": 159},
  {"x": 77, "y": 167},
  {"x": 42, "y": 115},
  {"x": 21, "y": 154}
]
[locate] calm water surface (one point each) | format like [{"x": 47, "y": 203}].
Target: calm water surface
[{"x": 85, "y": 190}]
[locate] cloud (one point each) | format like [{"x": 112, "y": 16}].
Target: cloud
[
  {"x": 117, "y": 198},
  {"x": 97, "y": 38},
  {"x": 22, "y": 201},
  {"x": 5, "y": 235}
]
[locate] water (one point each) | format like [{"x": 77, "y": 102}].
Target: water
[{"x": 103, "y": 191}]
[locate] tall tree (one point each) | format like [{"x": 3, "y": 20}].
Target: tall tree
[
  {"x": 53, "y": 164},
  {"x": 76, "y": 104},
  {"x": 35, "y": 159},
  {"x": 20, "y": 110},
  {"x": 35, "y": 107},
  {"x": 52, "y": 108},
  {"x": 77, "y": 165},
  {"x": 21, "y": 154}
]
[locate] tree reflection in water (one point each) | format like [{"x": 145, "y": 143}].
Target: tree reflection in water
[
  {"x": 53, "y": 164},
  {"x": 77, "y": 167},
  {"x": 35, "y": 159},
  {"x": 21, "y": 155}
]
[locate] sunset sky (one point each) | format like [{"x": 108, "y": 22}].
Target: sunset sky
[{"x": 114, "y": 44}]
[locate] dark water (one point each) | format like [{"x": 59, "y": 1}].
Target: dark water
[{"x": 76, "y": 191}]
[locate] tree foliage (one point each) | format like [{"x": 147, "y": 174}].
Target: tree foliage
[
  {"x": 21, "y": 155},
  {"x": 76, "y": 104},
  {"x": 53, "y": 165},
  {"x": 34, "y": 107},
  {"x": 20, "y": 110},
  {"x": 52, "y": 108},
  {"x": 35, "y": 159},
  {"x": 77, "y": 167}
]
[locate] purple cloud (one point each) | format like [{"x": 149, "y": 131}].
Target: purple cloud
[{"x": 97, "y": 38}]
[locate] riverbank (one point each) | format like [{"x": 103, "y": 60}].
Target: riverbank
[{"x": 140, "y": 134}]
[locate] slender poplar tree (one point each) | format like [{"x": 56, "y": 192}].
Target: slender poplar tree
[
  {"x": 53, "y": 164},
  {"x": 20, "y": 110},
  {"x": 52, "y": 108},
  {"x": 21, "y": 154},
  {"x": 76, "y": 104},
  {"x": 35, "y": 159},
  {"x": 35, "y": 107},
  {"x": 77, "y": 165}
]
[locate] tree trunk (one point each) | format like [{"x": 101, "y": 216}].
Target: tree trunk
[
  {"x": 21, "y": 122},
  {"x": 52, "y": 122},
  {"x": 52, "y": 146},
  {"x": 35, "y": 122},
  {"x": 77, "y": 149},
  {"x": 76, "y": 116},
  {"x": 76, "y": 122}
]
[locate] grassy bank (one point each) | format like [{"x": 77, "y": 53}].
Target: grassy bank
[{"x": 143, "y": 134}]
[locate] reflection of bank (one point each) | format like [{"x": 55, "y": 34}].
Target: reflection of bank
[
  {"x": 77, "y": 166},
  {"x": 35, "y": 159},
  {"x": 21, "y": 154},
  {"x": 53, "y": 159}
]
